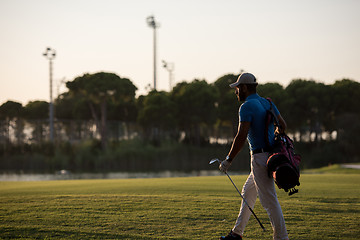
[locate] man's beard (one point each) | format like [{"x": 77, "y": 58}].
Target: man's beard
[{"x": 241, "y": 96}]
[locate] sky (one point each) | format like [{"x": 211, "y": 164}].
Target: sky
[{"x": 277, "y": 41}]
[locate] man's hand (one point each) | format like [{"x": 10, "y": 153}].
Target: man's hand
[{"x": 225, "y": 165}]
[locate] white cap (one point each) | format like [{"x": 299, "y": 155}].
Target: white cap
[{"x": 244, "y": 78}]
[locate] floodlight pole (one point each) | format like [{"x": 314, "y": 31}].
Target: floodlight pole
[
  {"x": 50, "y": 55},
  {"x": 170, "y": 68},
  {"x": 153, "y": 24}
]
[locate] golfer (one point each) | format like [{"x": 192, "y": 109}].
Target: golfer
[{"x": 252, "y": 127}]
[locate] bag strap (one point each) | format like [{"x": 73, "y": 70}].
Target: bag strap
[
  {"x": 273, "y": 120},
  {"x": 271, "y": 110}
]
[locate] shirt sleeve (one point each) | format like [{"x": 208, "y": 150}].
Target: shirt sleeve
[{"x": 245, "y": 113}]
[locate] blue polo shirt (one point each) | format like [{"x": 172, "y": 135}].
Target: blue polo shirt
[{"x": 253, "y": 110}]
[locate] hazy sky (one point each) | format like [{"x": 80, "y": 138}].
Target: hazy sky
[{"x": 277, "y": 40}]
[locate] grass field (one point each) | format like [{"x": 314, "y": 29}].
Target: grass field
[{"x": 326, "y": 207}]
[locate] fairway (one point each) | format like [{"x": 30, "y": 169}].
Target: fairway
[{"x": 326, "y": 207}]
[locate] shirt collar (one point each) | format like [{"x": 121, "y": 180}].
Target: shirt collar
[{"x": 252, "y": 96}]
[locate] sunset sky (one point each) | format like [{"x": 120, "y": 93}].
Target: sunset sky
[{"x": 276, "y": 40}]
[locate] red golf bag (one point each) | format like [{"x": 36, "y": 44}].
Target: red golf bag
[{"x": 283, "y": 164}]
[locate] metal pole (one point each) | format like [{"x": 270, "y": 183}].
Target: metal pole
[
  {"x": 50, "y": 55},
  {"x": 151, "y": 22},
  {"x": 170, "y": 68},
  {"x": 51, "y": 105},
  {"x": 155, "y": 58},
  {"x": 170, "y": 80}
]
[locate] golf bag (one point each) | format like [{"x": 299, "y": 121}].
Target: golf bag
[{"x": 283, "y": 164}]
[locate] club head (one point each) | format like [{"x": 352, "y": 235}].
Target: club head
[{"x": 214, "y": 160}]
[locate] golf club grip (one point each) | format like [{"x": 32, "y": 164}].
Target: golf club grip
[{"x": 245, "y": 202}]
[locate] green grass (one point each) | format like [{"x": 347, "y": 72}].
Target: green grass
[{"x": 326, "y": 207}]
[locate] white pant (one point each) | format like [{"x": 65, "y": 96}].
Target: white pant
[{"x": 259, "y": 183}]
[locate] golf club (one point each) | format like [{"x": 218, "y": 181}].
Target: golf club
[{"x": 217, "y": 160}]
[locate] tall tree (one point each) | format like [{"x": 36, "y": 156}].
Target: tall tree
[
  {"x": 100, "y": 89},
  {"x": 308, "y": 106},
  {"x": 157, "y": 114},
  {"x": 11, "y": 113},
  {"x": 195, "y": 105},
  {"x": 227, "y": 104},
  {"x": 346, "y": 96},
  {"x": 345, "y": 103},
  {"x": 79, "y": 109},
  {"x": 275, "y": 91},
  {"x": 37, "y": 113},
  {"x": 75, "y": 120}
]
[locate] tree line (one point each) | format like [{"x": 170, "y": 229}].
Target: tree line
[{"x": 104, "y": 106}]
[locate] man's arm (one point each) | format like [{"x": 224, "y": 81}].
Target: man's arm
[
  {"x": 239, "y": 139},
  {"x": 282, "y": 123}
]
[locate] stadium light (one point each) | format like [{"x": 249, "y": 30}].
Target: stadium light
[
  {"x": 50, "y": 54},
  {"x": 153, "y": 24},
  {"x": 170, "y": 68}
]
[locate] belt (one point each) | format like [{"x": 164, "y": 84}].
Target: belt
[{"x": 260, "y": 150}]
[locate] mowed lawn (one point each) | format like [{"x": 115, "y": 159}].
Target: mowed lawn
[{"x": 326, "y": 207}]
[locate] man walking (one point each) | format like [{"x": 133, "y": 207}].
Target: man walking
[{"x": 252, "y": 127}]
